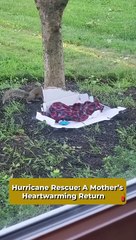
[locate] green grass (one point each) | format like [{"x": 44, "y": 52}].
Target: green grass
[
  {"x": 99, "y": 51},
  {"x": 93, "y": 31},
  {"x": 104, "y": 24},
  {"x": 8, "y": 212}
]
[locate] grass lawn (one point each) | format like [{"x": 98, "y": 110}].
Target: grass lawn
[{"x": 100, "y": 58}]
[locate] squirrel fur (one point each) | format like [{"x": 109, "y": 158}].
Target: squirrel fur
[{"x": 34, "y": 95}]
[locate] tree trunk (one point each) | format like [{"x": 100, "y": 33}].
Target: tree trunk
[{"x": 51, "y": 12}]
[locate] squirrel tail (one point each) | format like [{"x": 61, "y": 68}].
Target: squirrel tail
[{"x": 14, "y": 93}]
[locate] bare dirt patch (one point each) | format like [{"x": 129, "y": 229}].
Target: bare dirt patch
[{"x": 90, "y": 144}]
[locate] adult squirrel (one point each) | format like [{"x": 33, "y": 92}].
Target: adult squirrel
[{"x": 34, "y": 95}]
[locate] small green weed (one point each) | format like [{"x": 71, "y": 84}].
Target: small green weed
[
  {"x": 122, "y": 164},
  {"x": 127, "y": 137}
]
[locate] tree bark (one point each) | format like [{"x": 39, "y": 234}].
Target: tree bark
[{"x": 51, "y": 12}]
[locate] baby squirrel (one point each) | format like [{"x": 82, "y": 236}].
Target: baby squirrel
[{"x": 34, "y": 95}]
